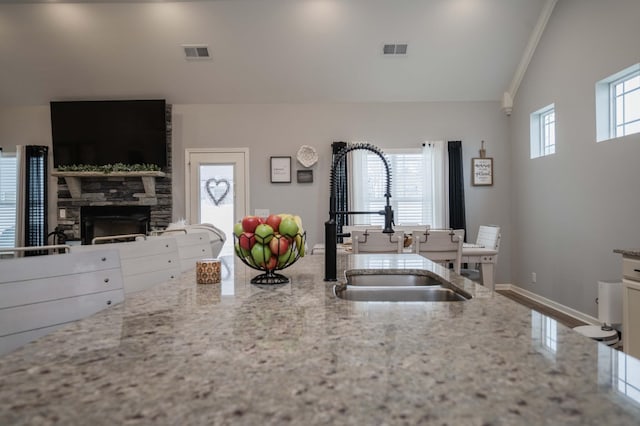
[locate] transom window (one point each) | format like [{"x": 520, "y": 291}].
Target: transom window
[
  {"x": 543, "y": 132},
  {"x": 618, "y": 104},
  {"x": 625, "y": 94},
  {"x": 548, "y": 132}
]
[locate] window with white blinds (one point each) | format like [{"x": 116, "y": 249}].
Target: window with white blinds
[
  {"x": 416, "y": 186},
  {"x": 8, "y": 185}
]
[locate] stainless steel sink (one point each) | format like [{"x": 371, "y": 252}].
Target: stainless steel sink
[
  {"x": 397, "y": 294},
  {"x": 394, "y": 279}
]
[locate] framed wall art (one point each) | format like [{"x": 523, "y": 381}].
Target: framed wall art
[
  {"x": 280, "y": 169},
  {"x": 305, "y": 176},
  {"x": 482, "y": 171}
]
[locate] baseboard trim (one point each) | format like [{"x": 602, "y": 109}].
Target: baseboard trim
[{"x": 550, "y": 303}]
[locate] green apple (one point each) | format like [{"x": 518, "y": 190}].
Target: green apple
[
  {"x": 237, "y": 229},
  {"x": 285, "y": 258},
  {"x": 288, "y": 227},
  {"x": 264, "y": 233},
  {"x": 260, "y": 253}
]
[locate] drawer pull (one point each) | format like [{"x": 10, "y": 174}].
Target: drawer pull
[{"x": 636, "y": 270}]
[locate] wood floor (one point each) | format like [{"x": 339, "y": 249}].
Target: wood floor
[{"x": 545, "y": 310}]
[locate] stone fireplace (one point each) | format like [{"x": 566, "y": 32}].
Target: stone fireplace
[{"x": 92, "y": 204}]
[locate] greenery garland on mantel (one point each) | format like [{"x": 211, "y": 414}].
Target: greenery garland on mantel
[{"x": 110, "y": 168}]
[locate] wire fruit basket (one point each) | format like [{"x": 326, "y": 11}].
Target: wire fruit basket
[{"x": 269, "y": 256}]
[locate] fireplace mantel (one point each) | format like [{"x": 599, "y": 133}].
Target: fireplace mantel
[{"x": 75, "y": 187}]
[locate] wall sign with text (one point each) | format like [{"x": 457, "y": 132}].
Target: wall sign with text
[
  {"x": 280, "y": 169},
  {"x": 482, "y": 171}
]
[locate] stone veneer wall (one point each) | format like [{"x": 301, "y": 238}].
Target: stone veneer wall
[{"x": 118, "y": 191}]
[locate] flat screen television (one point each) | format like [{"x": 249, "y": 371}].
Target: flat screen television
[{"x": 109, "y": 132}]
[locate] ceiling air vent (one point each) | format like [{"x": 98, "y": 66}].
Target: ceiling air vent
[
  {"x": 395, "y": 49},
  {"x": 196, "y": 51}
]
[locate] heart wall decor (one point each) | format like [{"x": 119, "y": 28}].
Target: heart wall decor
[{"x": 217, "y": 189}]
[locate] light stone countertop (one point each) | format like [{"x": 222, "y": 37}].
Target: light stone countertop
[
  {"x": 634, "y": 252},
  {"x": 237, "y": 353}
]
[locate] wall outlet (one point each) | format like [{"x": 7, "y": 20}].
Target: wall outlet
[
  {"x": 533, "y": 277},
  {"x": 261, "y": 212},
  {"x": 62, "y": 213}
]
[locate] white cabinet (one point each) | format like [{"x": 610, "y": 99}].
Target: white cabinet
[{"x": 631, "y": 305}]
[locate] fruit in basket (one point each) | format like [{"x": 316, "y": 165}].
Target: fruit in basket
[
  {"x": 249, "y": 223},
  {"x": 270, "y": 243},
  {"x": 272, "y": 263},
  {"x": 261, "y": 254},
  {"x": 237, "y": 229},
  {"x": 288, "y": 227},
  {"x": 279, "y": 245},
  {"x": 242, "y": 251},
  {"x": 247, "y": 240},
  {"x": 285, "y": 258},
  {"x": 300, "y": 245},
  {"x": 263, "y": 233},
  {"x": 274, "y": 221}
]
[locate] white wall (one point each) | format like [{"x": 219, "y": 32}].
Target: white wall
[
  {"x": 571, "y": 209},
  {"x": 281, "y": 129},
  {"x": 29, "y": 126}
]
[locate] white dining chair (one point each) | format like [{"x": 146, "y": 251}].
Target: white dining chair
[
  {"x": 443, "y": 246},
  {"x": 409, "y": 228},
  {"x": 350, "y": 228},
  {"x": 375, "y": 241},
  {"x": 488, "y": 238}
]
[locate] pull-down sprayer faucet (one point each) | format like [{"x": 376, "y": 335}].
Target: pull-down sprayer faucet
[{"x": 330, "y": 227}]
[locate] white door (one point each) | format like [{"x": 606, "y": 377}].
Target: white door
[{"x": 217, "y": 188}]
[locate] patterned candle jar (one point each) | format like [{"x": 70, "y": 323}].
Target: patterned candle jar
[{"x": 208, "y": 271}]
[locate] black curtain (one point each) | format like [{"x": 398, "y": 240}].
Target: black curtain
[
  {"x": 342, "y": 186},
  {"x": 35, "y": 208},
  {"x": 456, "y": 187}
]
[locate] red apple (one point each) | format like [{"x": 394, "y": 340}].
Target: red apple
[
  {"x": 279, "y": 245},
  {"x": 247, "y": 240},
  {"x": 249, "y": 223},
  {"x": 272, "y": 263},
  {"x": 274, "y": 221}
]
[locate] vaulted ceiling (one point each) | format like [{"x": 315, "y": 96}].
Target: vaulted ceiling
[{"x": 262, "y": 51}]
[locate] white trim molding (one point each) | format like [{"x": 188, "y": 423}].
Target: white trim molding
[{"x": 534, "y": 39}]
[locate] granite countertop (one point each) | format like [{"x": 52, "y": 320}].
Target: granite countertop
[
  {"x": 237, "y": 353},
  {"x": 634, "y": 252}
]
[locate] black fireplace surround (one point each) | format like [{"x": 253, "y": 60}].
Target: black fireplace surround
[{"x": 101, "y": 221}]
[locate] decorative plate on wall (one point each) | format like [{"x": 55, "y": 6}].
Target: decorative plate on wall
[{"x": 307, "y": 155}]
